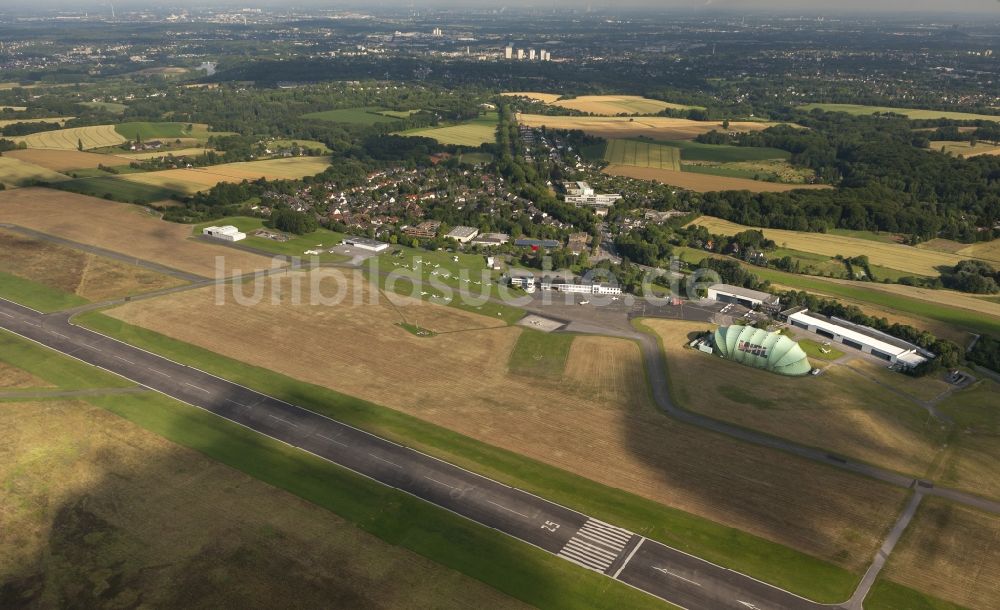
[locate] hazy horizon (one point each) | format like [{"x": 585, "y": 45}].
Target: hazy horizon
[{"x": 791, "y": 6}]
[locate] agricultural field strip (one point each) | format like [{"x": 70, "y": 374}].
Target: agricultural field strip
[
  {"x": 490, "y": 503},
  {"x": 98, "y": 136},
  {"x": 918, "y": 261},
  {"x": 913, "y": 113},
  {"x": 703, "y": 183}
]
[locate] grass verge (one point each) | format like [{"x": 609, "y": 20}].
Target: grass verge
[
  {"x": 517, "y": 569},
  {"x": 768, "y": 561},
  {"x": 887, "y": 595},
  {"x": 540, "y": 354},
  {"x": 62, "y": 372},
  {"x": 36, "y": 296}
]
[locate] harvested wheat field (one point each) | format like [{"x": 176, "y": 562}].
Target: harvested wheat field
[
  {"x": 986, "y": 250},
  {"x": 951, "y": 552},
  {"x": 98, "y": 510},
  {"x": 657, "y": 128},
  {"x": 101, "y": 223},
  {"x": 62, "y": 160},
  {"x": 192, "y": 180},
  {"x": 610, "y": 105},
  {"x": 59, "y": 119},
  {"x": 703, "y": 183},
  {"x": 97, "y": 136},
  {"x": 599, "y": 423},
  {"x": 14, "y": 172},
  {"x": 547, "y": 98},
  {"x": 918, "y": 261},
  {"x": 842, "y": 410},
  {"x": 176, "y": 152},
  {"x": 92, "y": 277}
]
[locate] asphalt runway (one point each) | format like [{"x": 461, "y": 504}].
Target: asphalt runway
[{"x": 652, "y": 567}]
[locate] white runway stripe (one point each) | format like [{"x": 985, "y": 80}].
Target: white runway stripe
[{"x": 596, "y": 545}]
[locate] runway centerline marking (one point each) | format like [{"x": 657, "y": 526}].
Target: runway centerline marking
[
  {"x": 697, "y": 584},
  {"x": 439, "y": 482},
  {"x": 238, "y": 403},
  {"x": 378, "y": 457},
  {"x": 124, "y": 360},
  {"x": 285, "y": 421},
  {"x": 510, "y": 510},
  {"x": 159, "y": 372},
  {"x": 332, "y": 440},
  {"x": 60, "y": 335},
  {"x": 197, "y": 387},
  {"x": 4, "y": 313}
]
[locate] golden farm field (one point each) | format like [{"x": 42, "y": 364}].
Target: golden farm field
[
  {"x": 120, "y": 227},
  {"x": 597, "y": 421},
  {"x": 194, "y": 179},
  {"x": 177, "y": 152},
  {"x": 61, "y": 120},
  {"x": 964, "y": 149},
  {"x": 611, "y": 105},
  {"x": 97, "y": 136},
  {"x": 547, "y": 98},
  {"x": 61, "y": 160},
  {"x": 704, "y": 183},
  {"x": 14, "y": 172},
  {"x": 657, "y": 128},
  {"x": 894, "y": 256},
  {"x": 912, "y": 113}
]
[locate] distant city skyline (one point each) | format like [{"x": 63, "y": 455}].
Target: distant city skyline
[{"x": 793, "y": 6}]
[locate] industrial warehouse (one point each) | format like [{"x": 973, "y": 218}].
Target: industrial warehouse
[{"x": 862, "y": 338}]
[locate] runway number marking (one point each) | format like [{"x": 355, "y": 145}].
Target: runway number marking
[
  {"x": 550, "y": 526},
  {"x": 697, "y": 584}
]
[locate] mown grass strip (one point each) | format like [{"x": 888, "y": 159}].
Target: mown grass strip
[
  {"x": 887, "y": 595},
  {"x": 36, "y": 296},
  {"x": 62, "y": 372},
  {"x": 517, "y": 569},
  {"x": 732, "y": 548}
]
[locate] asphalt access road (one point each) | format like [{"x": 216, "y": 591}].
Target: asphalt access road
[{"x": 592, "y": 544}]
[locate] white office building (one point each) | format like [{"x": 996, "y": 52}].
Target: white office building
[
  {"x": 225, "y": 233},
  {"x": 508, "y": 52},
  {"x": 585, "y": 288}
]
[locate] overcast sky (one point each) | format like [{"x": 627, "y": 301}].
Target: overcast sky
[{"x": 811, "y": 6}]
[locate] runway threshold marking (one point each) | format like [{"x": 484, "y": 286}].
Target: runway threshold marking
[
  {"x": 635, "y": 549},
  {"x": 382, "y": 459},
  {"x": 511, "y": 510},
  {"x": 697, "y": 584}
]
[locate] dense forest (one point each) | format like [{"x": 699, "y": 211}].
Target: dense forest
[{"x": 887, "y": 179}]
